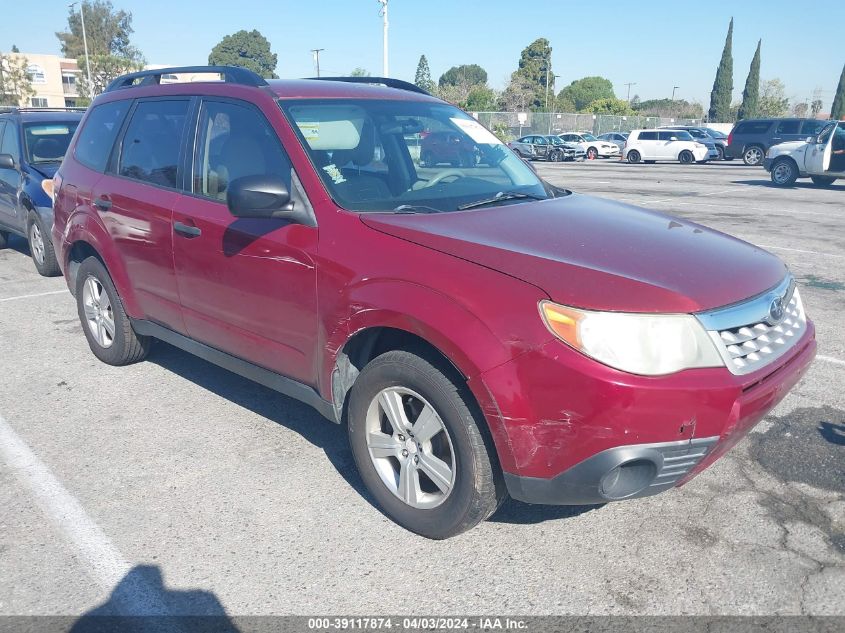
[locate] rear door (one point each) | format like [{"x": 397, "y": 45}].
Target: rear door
[
  {"x": 541, "y": 146},
  {"x": 248, "y": 286},
  {"x": 10, "y": 178},
  {"x": 135, "y": 199}
]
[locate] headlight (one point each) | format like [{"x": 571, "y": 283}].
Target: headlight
[
  {"x": 47, "y": 186},
  {"x": 646, "y": 344},
  {"x": 700, "y": 145}
]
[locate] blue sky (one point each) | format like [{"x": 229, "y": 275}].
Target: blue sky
[{"x": 655, "y": 44}]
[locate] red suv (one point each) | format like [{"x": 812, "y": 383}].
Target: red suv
[{"x": 480, "y": 332}]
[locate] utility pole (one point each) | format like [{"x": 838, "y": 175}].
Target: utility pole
[
  {"x": 674, "y": 88},
  {"x": 85, "y": 45},
  {"x": 629, "y": 84},
  {"x": 316, "y": 52},
  {"x": 386, "y": 24}
]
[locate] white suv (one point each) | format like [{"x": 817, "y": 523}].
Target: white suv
[
  {"x": 650, "y": 146},
  {"x": 821, "y": 157}
]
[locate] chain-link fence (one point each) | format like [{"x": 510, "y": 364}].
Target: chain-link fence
[{"x": 511, "y": 125}]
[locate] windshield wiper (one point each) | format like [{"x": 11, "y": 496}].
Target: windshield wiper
[
  {"x": 499, "y": 197},
  {"x": 415, "y": 208}
]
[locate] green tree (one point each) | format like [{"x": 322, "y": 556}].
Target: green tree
[
  {"x": 360, "y": 72},
  {"x": 720, "y": 96},
  {"x": 15, "y": 48},
  {"x": 609, "y": 106},
  {"x": 582, "y": 92},
  {"x": 800, "y": 109},
  {"x": 464, "y": 76},
  {"x": 15, "y": 83},
  {"x": 247, "y": 49},
  {"x": 751, "y": 94},
  {"x": 481, "y": 99},
  {"x": 773, "y": 102},
  {"x": 679, "y": 108},
  {"x": 423, "y": 76},
  {"x": 528, "y": 82},
  {"x": 104, "y": 68},
  {"x": 837, "y": 110}
]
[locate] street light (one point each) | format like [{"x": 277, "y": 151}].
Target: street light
[
  {"x": 629, "y": 84},
  {"x": 385, "y": 26},
  {"x": 85, "y": 45},
  {"x": 674, "y": 88}
]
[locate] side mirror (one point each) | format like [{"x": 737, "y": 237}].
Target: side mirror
[
  {"x": 673, "y": 138},
  {"x": 6, "y": 161},
  {"x": 264, "y": 196}
]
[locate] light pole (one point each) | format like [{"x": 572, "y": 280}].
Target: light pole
[
  {"x": 317, "y": 52},
  {"x": 674, "y": 88},
  {"x": 547, "y": 102},
  {"x": 85, "y": 45},
  {"x": 386, "y": 24},
  {"x": 629, "y": 84}
]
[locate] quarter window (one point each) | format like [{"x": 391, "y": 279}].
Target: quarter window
[
  {"x": 234, "y": 141},
  {"x": 753, "y": 127},
  {"x": 94, "y": 145},
  {"x": 150, "y": 151}
]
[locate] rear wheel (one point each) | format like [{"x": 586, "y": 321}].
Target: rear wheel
[
  {"x": 41, "y": 248},
  {"x": 419, "y": 447},
  {"x": 104, "y": 321},
  {"x": 784, "y": 172},
  {"x": 752, "y": 156},
  {"x": 686, "y": 157},
  {"x": 634, "y": 156},
  {"x": 721, "y": 151},
  {"x": 823, "y": 181}
]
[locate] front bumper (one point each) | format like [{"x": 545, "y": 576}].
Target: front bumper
[{"x": 563, "y": 422}]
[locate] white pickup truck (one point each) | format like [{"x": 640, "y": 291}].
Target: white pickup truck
[{"x": 822, "y": 158}]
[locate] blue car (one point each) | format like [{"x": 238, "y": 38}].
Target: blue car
[{"x": 33, "y": 143}]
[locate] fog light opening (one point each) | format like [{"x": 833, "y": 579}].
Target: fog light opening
[{"x": 627, "y": 479}]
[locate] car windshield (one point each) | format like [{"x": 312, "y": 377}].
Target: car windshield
[
  {"x": 407, "y": 156},
  {"x": 682, "y": 135},
  {"x": 716, "y": 134},
  {"x": 697, "y": 133},
  {"x": 589, "y": 137},
  {"x": 47, "y": 142}
]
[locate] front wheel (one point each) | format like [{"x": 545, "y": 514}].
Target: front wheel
[
  {"x": 592, "y": 153},
  {"x": 419, "y": 447},
  {"x": 104, "y": 321},
  {"x": 41, "y": 248},
  {"x": 634, "y": 156},
  {"x": 784, "y": 172},
  {"x": 752, "y": 156},
  {"x": 686, "y": 157},
  {"x": 721, "y": 151},
  {"x": 823, "y": 181}
]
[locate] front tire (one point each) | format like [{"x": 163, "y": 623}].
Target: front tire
[
  {"x": 634, "y": 156},
  {"x": 419, "y": 447},
  {"x": 686, "y": 157},
  {"x": 784, "y": 172},
  {"x": 721, "y": 151},
  {"x": 104, "y": 321},
  {"x": 592, "y": 153},
  {"x": 41, "y": 248},
  {"x": 752, "y": 156},
  {"x": 823, "y": 181}
]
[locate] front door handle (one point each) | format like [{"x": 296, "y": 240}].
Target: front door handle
[
  {"x": 187, "y": 231},
  {"x": 103, "y": 203}
]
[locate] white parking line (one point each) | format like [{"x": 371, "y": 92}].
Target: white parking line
[
  {"x": 107, "y": 567},
  {"x": 831, "y": 359},
  {"x": 798, "y": 250},
  {"x": 38, "y": 294}
]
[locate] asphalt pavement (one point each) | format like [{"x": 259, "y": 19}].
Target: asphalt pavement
[{"x": 175, "y": 485}]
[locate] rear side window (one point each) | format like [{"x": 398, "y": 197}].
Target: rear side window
[
  {"x": 150, "y": 151},
  {"x": 94, "y": 145},
  {"x": 788, "y": 127},
  {"x": 812, "y": 128},
  {"x": 648, "y": 136},
  {"x": 753, "y": 127}
]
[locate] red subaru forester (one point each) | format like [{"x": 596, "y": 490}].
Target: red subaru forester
[{"x": 480, "y": 331}]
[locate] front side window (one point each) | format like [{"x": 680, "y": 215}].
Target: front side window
[
  {"x": 234, "y": 141},
  {"x": 375, "y": 155},
  {"x": 97, "y": 136},
  {"x": 48, "y": 142},
  {"x": 150, "y": 149},
  {"x": 753, "y": 127},
  {"x": 10, "y": 144},
  {"x": 812, "y": 127}
]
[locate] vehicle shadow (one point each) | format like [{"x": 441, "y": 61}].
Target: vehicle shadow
[
  {"x": 140, "y": 603},
  {"x": 519, "y": 513},
  {"x": 282, "y": 410},
  {"x": 798, "y": 185}
]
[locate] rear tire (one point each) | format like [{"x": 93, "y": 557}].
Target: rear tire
[
  {"x": 686, "y": 157},
  {"x": 752, "y": 156},
  {"x": 784, "y": 172},
  {"x": 41, "y": 248},
  {"x": 104, "y": 321},
  {"x": 721, "y": 151},
  {"x": 389, "y": 399},
  {"x": 634, "y": 156},
  {"x": 823, "y": 181}
]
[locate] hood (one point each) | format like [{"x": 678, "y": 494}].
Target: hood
[
  {"x": 789, "y": 147},
  {"x": 598, "y": 254},
  {"x": 47, "y": 170}
]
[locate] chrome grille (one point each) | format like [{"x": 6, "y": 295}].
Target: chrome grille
[{"x": 747, "y": 336}]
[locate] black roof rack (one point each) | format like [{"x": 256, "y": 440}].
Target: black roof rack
[
  {"x": 16, "y": 109},
  {"x": 384, "y": 81},
  {"x": 231, "y": 74}
]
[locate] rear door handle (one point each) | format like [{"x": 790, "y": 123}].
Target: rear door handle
[
  {"x": 187, "y": 231},
  {"x": 103, "y": 203}
]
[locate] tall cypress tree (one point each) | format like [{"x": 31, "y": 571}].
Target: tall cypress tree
[
  {"x": 751, "y": 94},
  {"x": 423, "y": 77},
  {"x": 723, "y": 86},
  {"x": 837, "y": 111}
]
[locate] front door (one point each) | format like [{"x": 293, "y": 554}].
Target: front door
[
  {"x": 10, "y": 177},
  {"x": 820, "y": 155},
  {"x": 248, "y": 286}
]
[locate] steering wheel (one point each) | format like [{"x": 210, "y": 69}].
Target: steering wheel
[{"x": 446, "y": 173}]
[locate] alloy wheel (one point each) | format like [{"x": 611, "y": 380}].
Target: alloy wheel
[
  {"x": 99, "y": 314},
  {"x": 410, "y": 447},
  {"x": 753, "y": 156},
  {"x": 36, "y": 243}
]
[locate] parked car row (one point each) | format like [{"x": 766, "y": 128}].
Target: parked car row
[{"x": 546, "y": 147}]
